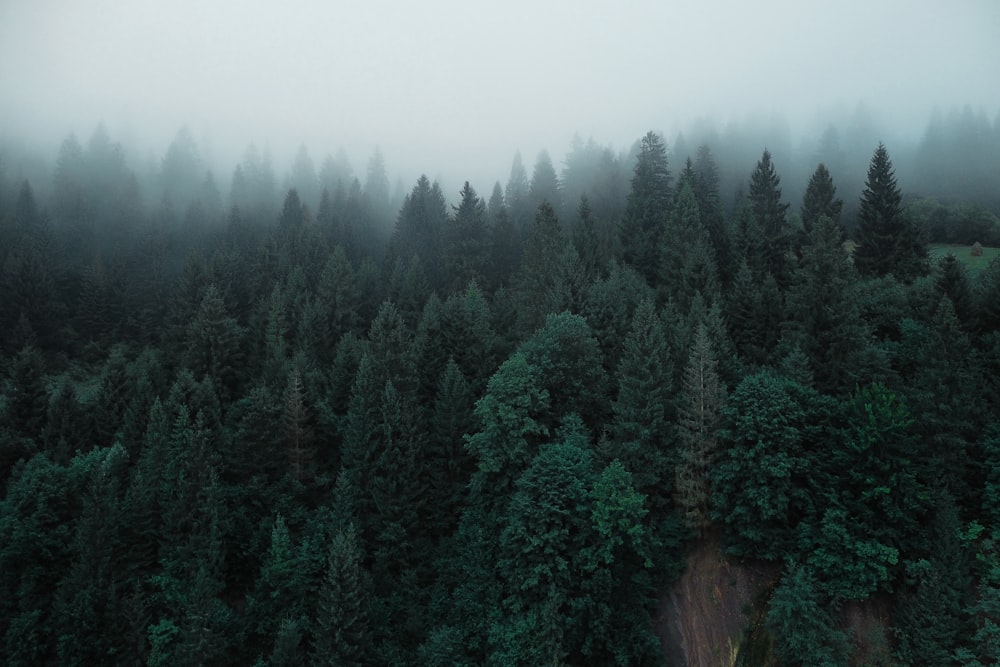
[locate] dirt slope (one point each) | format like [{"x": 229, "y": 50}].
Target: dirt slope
[{"x": 703, "y": 619}]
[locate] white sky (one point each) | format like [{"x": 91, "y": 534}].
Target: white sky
[{"x": 452, "y": 88}]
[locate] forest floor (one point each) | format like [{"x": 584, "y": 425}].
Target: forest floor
[{"x": 704, "y": 619}]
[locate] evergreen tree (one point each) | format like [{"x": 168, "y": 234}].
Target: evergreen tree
[
  {"x": 820, "y": 200},
  {"x": 699, "y": 413},
  {"x": 803, "y": 629},
  {"x": 544, "y": 186},
  {"x": 647, "y": 208},
  {"x": 569, "y": 364},
  {"x": 593, "y": 254},
  {"x": 422, "y": 219},
  {"x": 519, "y": 206},
  {"x": 537, "y": 276},
  {"x": 824, "y": 319},
  {"x": 931, "y": 621},
  {"x": 28, "y": 400},
  {"x": 888, "y": 242},
  {"x": 706, "y": 192},
  {"x": 342, "y": 634},
  {"x": 544, "y": 532},
  {"x": 765, "y": 479},
  {"x": 466, "y": 242},
  {"x": 641, "y": 437},
  {"x": 449, "y": 466},
  {"x": 684, "y": 237},
  {"x": 505, "y": 241},
  {"x": 298, "y": 428},
  {"x": 214, "y": 342},
  {"x": 769, "y": 212},
  {"x": 952, "y": 281}
]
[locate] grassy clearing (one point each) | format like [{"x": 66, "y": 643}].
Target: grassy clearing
[{"x": 963, "y": 253}]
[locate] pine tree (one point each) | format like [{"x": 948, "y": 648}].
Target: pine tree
[
  {"x": 422, "y": 219},
  {"x": 342, "y": 634},
  {"x": 28, "y": 402},
  {"x": 544, "y": 185},
  {"x": 287, "y": 651},
  {"x": 820, "y": 200},
  {"x": 278, "y": 591},
  {"x": 537, "y": 276},
  {"x": 803, "y": 629},
  {"x": 824, "y": 319},
  {"x": 706, "y": 192},
  {"x": 519, "y": 206},
  {"x": 298, "y": 428},
  {"x": 769, "y": 212},
  {"x": 647, "y": 208},
  {"x": 214, "y": 344},
  {"x": 931, "y": 621},
  {"x": 593, "y": 254},
  {"x": 953, "y": 282},
  {"x": 887, "y": 241},
  {"x": 505, "y": 242},
  {"x": 466, "y": 242},
  {"x": 509, "y": 430},
  {"x": 449, "y": 465},
  {"x": 640, "y": 432},
  {"x": 544, "y": 532},
  {"x": 684, "y": 237},
  {"x": 699, "y": 414}
]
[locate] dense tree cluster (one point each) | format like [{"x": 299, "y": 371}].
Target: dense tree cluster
[{"x": 331, "y": 428}]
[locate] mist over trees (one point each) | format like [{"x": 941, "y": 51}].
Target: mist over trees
[{"x": 308, "y": 414}]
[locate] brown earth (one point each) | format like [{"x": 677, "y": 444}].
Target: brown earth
[
  {"x": 714, "y": 612},
  {"x": 704, "y": 619}
]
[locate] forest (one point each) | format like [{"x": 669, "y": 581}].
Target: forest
[{"x": 309, "y": 419}]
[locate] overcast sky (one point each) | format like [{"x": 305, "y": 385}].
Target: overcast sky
[{"x": 452, "y": 88}]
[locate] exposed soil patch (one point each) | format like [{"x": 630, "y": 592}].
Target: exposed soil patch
[{"x": 703, "y": 618}]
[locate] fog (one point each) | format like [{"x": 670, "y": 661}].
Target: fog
[{"x": 452, "y": 89}]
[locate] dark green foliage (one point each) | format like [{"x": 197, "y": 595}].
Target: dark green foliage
[
  {"x": 214, "y": 344},
  {"x": 537, "y": 279},
  {"x": 820, "y": 200},
  {"x": 931, "y": 623},
  {"x": 569, "y": 368},
  {"x": 544, "y": 187},
  {"x": 887, "y": 241},
  {"x": 803, "y": 628},
  {"x": 278, "y": 592},
  {"x": 28, "y": 400},
  {"x": 593, "y": 252},
  {"x": 880, "y": 491},
  {"x": 698, "y": 415},
  {"x": 769, "y": 212},
  {"x": 342, "y": 635},
  {"x": 953, "y": 282},
  {"x": 822, "y": 306},
  {"x": 754, "y": 315},
  {"x": 88, "y": 599},
  {"x": 609, "y": 306},
  {"x": 466, "y": 243},
  {"x": 686, "y": 264},
  {"x": 449, "y": 465},
  {"x": 640, "y": 434},
  {"x": 253, "y": 436},
  {"x": 764, "y": 482},
  {"x": 67, "y": 428},
  {"x": 706, "y": 192},
  {"x": 510, "y": 427},
  {"x": 648, "y": 207},
  {"x": 421, "y": 221}
]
